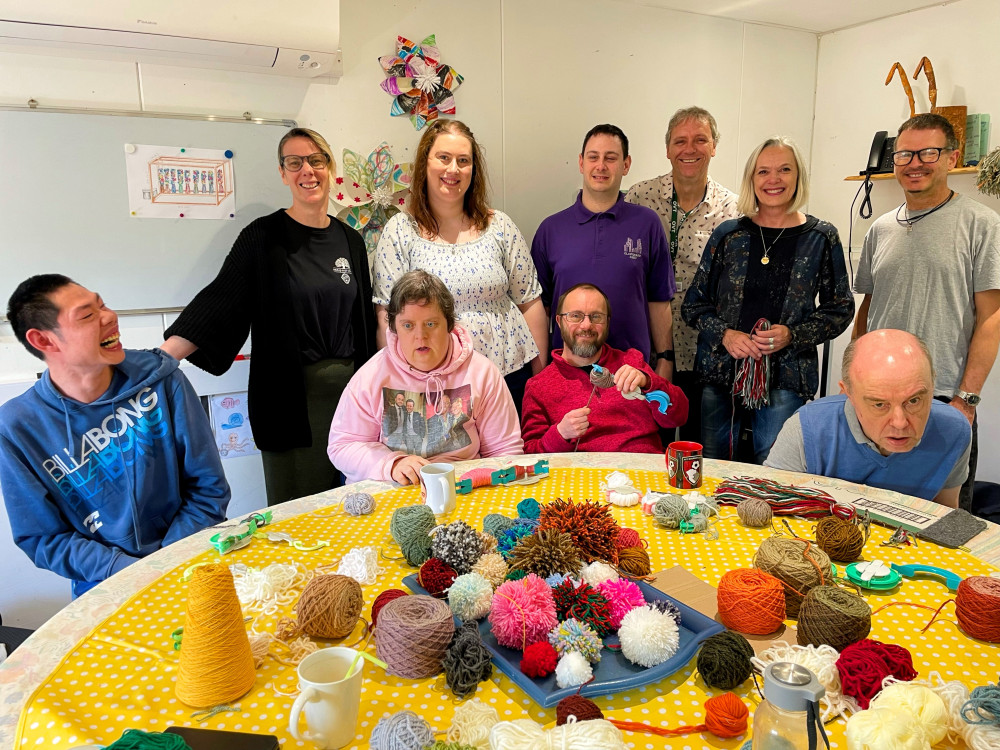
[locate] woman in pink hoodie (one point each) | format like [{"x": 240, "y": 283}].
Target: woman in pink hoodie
[{"x": 427, "y": 396}]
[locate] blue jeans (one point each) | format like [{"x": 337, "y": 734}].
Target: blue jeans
[{"x": 720, "y": 428}]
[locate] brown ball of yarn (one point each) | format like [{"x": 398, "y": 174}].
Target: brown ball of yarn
[
  {"x": 633, "y": 561},
  {"x": 582, "y": 708},
  {"x": 840, "y": 539},
  {"x": 754, "y": 512},
  {"x": 329, "y": 606},
  {"x": 413, "y": 634},
  {"x": 833, "y": 616},
  {"x": 791, "y": 561}
]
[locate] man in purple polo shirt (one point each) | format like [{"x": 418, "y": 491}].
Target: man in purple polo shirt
[{"x": 621, "y": 246}]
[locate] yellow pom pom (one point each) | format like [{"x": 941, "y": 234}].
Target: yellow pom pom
[{"x": 921, "y": 703}]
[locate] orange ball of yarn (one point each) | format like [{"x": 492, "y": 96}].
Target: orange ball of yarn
[
  {"x": 977, "y": 607},
  {"x": 329, "y": 606},
  {"x": 751, "y": 601}
]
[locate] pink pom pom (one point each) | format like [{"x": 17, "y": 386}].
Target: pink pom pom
[
  {"x": 523, "y": 612},
  {"x": 623, "y": 596},
  {"x": 628, "y": 538}
]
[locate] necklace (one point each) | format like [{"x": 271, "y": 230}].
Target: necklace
[
  {"x": 767, "y": 248},
  {"x": 908, "y": 221}
]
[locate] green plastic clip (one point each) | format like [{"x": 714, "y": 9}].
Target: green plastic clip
[
  {"x": 224, "y": 543},
  {"x": 463, "y": 487}
]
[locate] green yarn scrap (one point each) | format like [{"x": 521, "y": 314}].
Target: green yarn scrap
[
  {"x": 442, "y": 745},
  {"x": 410, "y": 527},
  {"x": 516, "y": 574},
  {"x": 497, "y": 523},
  {"x": 136, "y": 739},
  {"x": 529, "y": 508}
]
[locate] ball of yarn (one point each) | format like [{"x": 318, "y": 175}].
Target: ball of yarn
[
  {"x": 598, "y": 734},
  {"x": 436, "y": 576},
  {"x": 573, "y": 635},
  {"x": 628, "y": 538},
  {"x": 496, "y": 523},
  {"x": 668, "y": 607},
  {"x": 585, "y": 603},
  {"x": 884, "y": 728},
  {"x": 329, "y": 606},
  {"x": 623, "y": 596},
  {"x": 634, "y": 561},
  {"x": 582, "y": 708},
  {"x": 382, "y": 599},
  {"x": 597, "y": 573},
  {"x": 403, "y": 730},
  {"x": 833, "y": 616},
  {"x": 492, "y": 567},
  {"x": 977, "y": 607},
  {"x": 590, "y": 524},
  {"x": 573, "y": 669},
  {"x": 670, "y": 510},
  {"x": 839, "y": 538},
  {"x": 467, "y": 662},
  {"x": 359, "y": 503},
  {"x": 798, "y": 564},
  {"x": 523, "y": 612},
  {"x": 539, "y": 659},
  {"x": 751, "y": 601},
  {"x": 470, "y": 597},
  {"x": 413, "y": 634},
  {"x": 410, "y": 528},
  {"x": 545, "y": 552},
  {"x": 923, "y": 706},
  {"x": 456, "y": 544},
  {"x": 724, "y": 660},
  {"x": 754, "y": 512},
  {"x": 529, "y": 508},
  {"x": 648, "y": 637},
  {"x": 471, "y": 724},
  {"x": 865, "y": 664}
]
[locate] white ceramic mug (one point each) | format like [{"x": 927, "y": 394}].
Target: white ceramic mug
[
  {"x": 329, "y": 697},
  {"x": 437, "y": 487}
]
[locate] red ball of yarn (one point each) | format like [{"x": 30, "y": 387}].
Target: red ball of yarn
[
  {"x": 977, "y": 607},
  {"x": 582, "y": 708},
  {"x": 751, "y": 601},
  {"x": 436, "y": 576},
  {"x": 539, "y": 659},
  {"x": 629, "y": 538},
  {"x": 382, "y": 599},
  {"x": 863, "y": 666}
]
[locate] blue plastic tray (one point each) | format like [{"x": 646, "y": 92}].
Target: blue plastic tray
[{"x": 613, "y": 673}]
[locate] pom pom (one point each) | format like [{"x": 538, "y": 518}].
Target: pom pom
[
  {"x": 597, "y": 573},
  {"x": 585, "y": 603},
  {"x": 381, "y": 600},
  {"x": 509, "y": 538},
  {"x": 648, "y": 637},
  {"x": 555, "y": 579},
  {"x": 470, "y": 597},
  {"x": 724, "y": 660},
  {"x": 546, "y": 552},
  {"x": 516, "y": 574},
  {"x": 920, "y": 703},
  {"x": 582, "y": 708},
  {"x": 457, "y": 545},
  {"x": 628, "y": 538},
  {"x": 634, "y": 561},
  {"x": 487, "y": 543},
  {"x": 885, "y": 728},
  {"x": 590, "y": 524},
  {"x": 496, "y": 523},
  {"x": 403, "y": 730},
  {"x": 573, "y": 669},
  {"x": 492, "y": 567},
  {"x": 436, "y": 576},
  {"x": 359, "y": 504},
  {"x": 539, "y": 659},
  {"x": 573, "y": 635},
  {"x": 467, "y": 662},
  {"x": 623, "y": 596},
  {"x": 523, "y": 612},
  {"x": 668, "y": 607},
  {"x": 529, "y": 508}
]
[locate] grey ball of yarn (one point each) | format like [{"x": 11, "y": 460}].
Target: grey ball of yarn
[
  {"x": 403, "y": 730},
  {"x": 670, "y": 510},
  {"x": 457, "y": 545},
  {"x": 359, "y": 504},
  {"x": 467, "y": 662},
  {"x": 410, "y": 527},
  {"x": 497, "y": 523},
  {"x": 754, "y": 512}
]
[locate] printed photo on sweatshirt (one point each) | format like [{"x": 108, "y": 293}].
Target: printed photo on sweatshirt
[{"x": 426, "y": 424}]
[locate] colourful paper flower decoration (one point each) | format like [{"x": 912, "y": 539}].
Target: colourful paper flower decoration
[
  {"x": 373, "y": 190},
  {"x": 422, "y": 85}
]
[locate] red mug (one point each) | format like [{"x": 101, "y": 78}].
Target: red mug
[{"x": 684, "y": 462}]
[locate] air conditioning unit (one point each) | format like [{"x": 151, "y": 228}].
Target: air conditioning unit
[{"x": 289, "y": 38}]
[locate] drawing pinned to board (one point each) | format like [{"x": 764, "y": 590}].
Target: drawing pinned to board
[
  {"x": 232, "y": 427},
  {"x": 373, "y": 190},
  {"x": 422, "y": 85},
  {"x": 168, "y": 182}
]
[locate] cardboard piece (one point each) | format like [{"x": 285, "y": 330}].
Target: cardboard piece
[{"x": 688, "y": 589}]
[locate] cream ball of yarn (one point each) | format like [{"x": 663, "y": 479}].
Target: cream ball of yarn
[
  {"x": 885, "y": 729},
  {"x": 921, "y": 703}
]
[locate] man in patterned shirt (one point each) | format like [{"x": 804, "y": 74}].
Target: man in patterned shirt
[{"x": 690, "y": 205}]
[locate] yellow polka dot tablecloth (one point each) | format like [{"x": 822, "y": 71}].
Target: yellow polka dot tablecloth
[{"x": 122, "y": 674}]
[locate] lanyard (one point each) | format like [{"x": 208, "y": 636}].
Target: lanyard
[{"x": 675, "y": 224}]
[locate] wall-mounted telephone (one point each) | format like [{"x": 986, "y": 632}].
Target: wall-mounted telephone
[{"x": 880, "y": 158}]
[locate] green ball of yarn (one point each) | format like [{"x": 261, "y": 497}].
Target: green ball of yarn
[
  {"x": 516, "y": 574},
  {"x": 724, "y": 660},
  {"x": 670, "y": 510},
  {"x": 529, "y": 508},
  {"x": 442, "y": 745},
  {"x": 497, "y": 523},
  {"x": 409, "y": 527}
]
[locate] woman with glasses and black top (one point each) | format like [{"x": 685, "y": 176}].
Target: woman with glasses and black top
[{"x": 298, "y": 281}]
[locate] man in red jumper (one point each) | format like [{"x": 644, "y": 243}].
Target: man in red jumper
[{"x": 556, "y": 416}]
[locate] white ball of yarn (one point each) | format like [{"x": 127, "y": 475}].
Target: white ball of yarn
[
  {"x": 596, "y": 734},
  {"x": 921, "y": 703},
  {"x": 573, "y": 669},
  {"x": 885, "y": 729},
  {"x": 472, "y": 723},
  {"x": 648, "y": 636},
  {"x": 597, "y": 573}
]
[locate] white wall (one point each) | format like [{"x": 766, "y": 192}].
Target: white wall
[{"x": 852, "y": 103}]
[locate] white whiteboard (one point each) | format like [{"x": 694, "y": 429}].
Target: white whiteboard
[{"x": 64, "y": 204}]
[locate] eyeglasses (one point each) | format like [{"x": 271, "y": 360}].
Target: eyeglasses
[
  {"x": 293, "y": 163},
  {"x": 927, "y": 156},
  {"x": 577, "y": 317}
]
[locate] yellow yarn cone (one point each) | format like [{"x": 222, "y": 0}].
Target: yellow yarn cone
[{"x": 216, "y": 665}]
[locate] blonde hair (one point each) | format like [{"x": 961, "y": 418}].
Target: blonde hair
[
  {"x": 747, "y": 203},
  {"x": 313, "y": 136}
]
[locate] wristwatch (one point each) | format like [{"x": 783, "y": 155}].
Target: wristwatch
[
  {"x": 972, "y": 399},
  {"x": 667, "y": 354}
]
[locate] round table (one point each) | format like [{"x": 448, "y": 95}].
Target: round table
[{"x": 37, "y": 675}]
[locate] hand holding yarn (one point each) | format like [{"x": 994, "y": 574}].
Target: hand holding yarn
[{"x": 574, "y": 423}]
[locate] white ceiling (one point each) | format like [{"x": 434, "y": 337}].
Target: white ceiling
[{"x": 817, "y": 16}]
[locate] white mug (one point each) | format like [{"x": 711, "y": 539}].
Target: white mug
[
  {"x": 437, "y": 487},
  {"x": 330, "y": 698}
]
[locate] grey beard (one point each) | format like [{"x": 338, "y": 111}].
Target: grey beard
[{"x": 584, "y": 349}]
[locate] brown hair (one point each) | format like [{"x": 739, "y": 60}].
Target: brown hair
[
  {"x": 932, "y": 122},
  {"x": 421, "y": 288},
  {"x": 698, "y": 114},
  {"x": 477, "y": 199},
  {"x": 584, "y": 285}
]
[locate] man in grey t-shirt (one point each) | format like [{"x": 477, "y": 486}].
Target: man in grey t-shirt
[{"x": 932, "y": 267}]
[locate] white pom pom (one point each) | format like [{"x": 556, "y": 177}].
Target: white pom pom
[
  {"x": 573, "y": 669},
  {"x": 648, "y": 636},
  {"x": 921, "y": 703},
  {"x": 597, "y": 573}
]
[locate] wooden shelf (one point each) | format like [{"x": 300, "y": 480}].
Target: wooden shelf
[{"x": 891, "y": 176}]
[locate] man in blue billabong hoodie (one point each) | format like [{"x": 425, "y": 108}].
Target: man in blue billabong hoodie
[{"x": 109, "y": 456}]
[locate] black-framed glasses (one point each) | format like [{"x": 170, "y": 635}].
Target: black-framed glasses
[
  {"x": 576, "y": 316},
  {"x": 293, "y": 163},
  {"x": 927, "y": 156}
]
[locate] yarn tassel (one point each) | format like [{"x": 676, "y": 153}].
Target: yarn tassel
[{"x": 753, "y": 376}]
